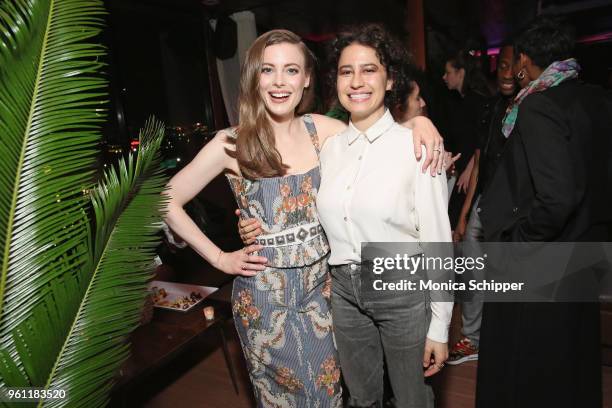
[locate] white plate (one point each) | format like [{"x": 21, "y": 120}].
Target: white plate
[{"x": 174, "y": 292}]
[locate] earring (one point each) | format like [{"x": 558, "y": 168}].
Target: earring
[{"x": 521, "y": 75}]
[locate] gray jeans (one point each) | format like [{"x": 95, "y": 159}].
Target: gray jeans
[
  {"x": 372, "y": 328},
  {"x": 471, "y": 311}
]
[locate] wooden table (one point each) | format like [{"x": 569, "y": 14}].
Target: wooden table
[{"x": 169, "y": 333}]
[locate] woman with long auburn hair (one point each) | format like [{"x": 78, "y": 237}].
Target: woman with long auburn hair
[
  {"x": 256, "y": 151},
  {"x": 280, "y": 298}
]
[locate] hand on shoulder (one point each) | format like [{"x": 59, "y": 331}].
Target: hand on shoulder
[{"x": 425, "y": 133}]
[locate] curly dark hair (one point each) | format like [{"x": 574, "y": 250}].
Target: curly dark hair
[
  {"x": 414, "y": 76},
  {"x": 545, "y": 40},
  {"x": 391, "y": 54}
]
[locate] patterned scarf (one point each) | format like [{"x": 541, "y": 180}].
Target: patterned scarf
[{"x": 557, "y": 72}]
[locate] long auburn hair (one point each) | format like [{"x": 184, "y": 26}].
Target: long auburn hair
[{"x": 256, "y": 151}]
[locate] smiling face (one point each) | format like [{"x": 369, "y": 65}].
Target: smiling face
[
  {"x": 282, "y": 79},
  {"x": 505, "y": 78},
  {"x": 453, "y": 77},
  {"x": 361, "y": 84}
]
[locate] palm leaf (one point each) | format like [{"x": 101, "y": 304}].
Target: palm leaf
[
  {"x": 128, "y": 208},
  {"x": 68, "y": 298},
  {"x": 50, "y": 111},
  {"x": 86, "y": 317}
]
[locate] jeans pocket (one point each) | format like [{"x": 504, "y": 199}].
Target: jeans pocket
[{"x": 388, "y": 285}]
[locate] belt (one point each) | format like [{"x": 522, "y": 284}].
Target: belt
[
  {"x": 353, "y": 265},
  {"x": 291, "y": 236}
]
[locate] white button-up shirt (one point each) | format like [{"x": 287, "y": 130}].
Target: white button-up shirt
[{"x": 373, "y": 190}]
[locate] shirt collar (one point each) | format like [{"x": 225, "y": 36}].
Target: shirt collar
[{"x": 373, "y": 132}]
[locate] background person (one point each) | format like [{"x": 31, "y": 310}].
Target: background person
[
  {"x": 464, "y": 116},
  {"x": 551, "y": 185},
  {"x": 486, "y": 157}
]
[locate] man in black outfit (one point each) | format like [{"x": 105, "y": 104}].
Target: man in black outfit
[
  {"x": 553, "y": 183},
  {"x": 469, "y": 229}
]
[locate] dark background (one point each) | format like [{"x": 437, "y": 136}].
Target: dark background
[
  {"x": 161, "y": 62},
  {"x": 159, "y": 49}
]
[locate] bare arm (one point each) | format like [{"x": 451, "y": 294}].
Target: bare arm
[
  {"x": 210, "y": 162},
  {"x": 464, "y": 179},
  {"x": 463, "y": 216},
  {"x": 424, "y": 133}
]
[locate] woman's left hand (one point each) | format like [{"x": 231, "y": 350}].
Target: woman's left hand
[
  {"x": 435, "y": 355},
  {"x": 425, "y": 133}
]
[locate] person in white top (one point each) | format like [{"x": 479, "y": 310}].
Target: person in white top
[
  {"x": 372, "y": 190},
  {"x": 271, "y": 162}
]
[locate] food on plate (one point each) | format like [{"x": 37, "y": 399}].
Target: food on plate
[{"x": 162, "y": 298}]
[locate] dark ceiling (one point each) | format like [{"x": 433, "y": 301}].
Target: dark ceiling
[
  {"x": 458, "y": 20},
  {"x": 319, "y": 17}
]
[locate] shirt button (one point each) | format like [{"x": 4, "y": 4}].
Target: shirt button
[
  {"x": 345, "y": 218},
  {"x": 348, "y": 187},
  {"x": 478, "y": 209},
  {"x": 360, "y": 157},
  {"x": 354, "y": 251}
]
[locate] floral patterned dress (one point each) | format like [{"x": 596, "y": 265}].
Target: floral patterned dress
[{"x": 282, "y": 314}]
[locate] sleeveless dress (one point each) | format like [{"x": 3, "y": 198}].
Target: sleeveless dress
[{"x": 282, "y": 314}]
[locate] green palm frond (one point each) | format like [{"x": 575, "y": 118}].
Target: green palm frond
[
  {"x": 128, "y": 214},
  {"x": 86, "y": 317},
  {"x": 50, "y": 110},
  {"x": 71, "y": 287}
]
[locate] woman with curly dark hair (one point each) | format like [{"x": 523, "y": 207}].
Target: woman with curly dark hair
[
  {"x": 372, "y": 191},
  {"x": 412, "y": 101}
]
